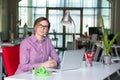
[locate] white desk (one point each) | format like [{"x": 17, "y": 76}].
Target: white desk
[{"x": 98, "y": 71}]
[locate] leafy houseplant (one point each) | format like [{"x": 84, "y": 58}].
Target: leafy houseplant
[{"x": 107, "y": 43}]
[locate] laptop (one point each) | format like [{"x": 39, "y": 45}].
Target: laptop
[{"x": 72, "y": 59}]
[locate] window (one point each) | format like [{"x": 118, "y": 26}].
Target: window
[{"x": 29, "y": 10}]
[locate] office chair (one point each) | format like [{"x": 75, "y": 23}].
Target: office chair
[
  {"x": 115, "y": 55},
  {"x": 10, "y": 56}
]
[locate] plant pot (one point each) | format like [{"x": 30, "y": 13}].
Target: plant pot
[{"x": 106, "y": 59}]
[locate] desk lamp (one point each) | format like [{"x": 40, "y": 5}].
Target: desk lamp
[{"x": 67, "y": 21}]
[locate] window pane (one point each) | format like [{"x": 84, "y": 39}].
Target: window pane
[
  {"x": 23, "y": 3},
  {"x": 88, "y": 11},
  {"x": 56, "y": 43},
  {"x": 73, "y": 3},
  {"x": 90, "y": 3},
  {"x": 105, "y": 12},
  {"x": 55, "y": 3},
  {"x": 105, "y": 3},
  {"x": 88, "y": 21},
  {"x": 55, "y": 17},
  {"x": 41, "y": 3},
  {"x": 23, "y": 16},
  {"x": 106, "y": 22},
  {"x": 75, "y": 14}
]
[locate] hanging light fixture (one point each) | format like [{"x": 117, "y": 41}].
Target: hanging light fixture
[{"x": 68, "y": 21}]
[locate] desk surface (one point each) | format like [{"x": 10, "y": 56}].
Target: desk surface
[{"x": 98, "y": 71}]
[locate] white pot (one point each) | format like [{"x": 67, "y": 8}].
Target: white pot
[{"x": 106, "y": 59}]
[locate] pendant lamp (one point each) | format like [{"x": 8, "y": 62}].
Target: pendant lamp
[{"x": 68, "y": 21}]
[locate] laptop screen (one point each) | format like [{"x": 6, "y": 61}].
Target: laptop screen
[{"x": 72, "y": 59}]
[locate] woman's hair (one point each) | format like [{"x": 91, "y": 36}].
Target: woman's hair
[{"x": 42, "y": 19}]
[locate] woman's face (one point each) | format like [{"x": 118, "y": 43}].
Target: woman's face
[{"x": 41, "y": 28}]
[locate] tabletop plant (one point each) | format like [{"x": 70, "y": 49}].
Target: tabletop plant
[{"x": 107, "y": 43}]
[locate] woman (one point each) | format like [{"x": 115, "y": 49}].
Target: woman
[{"x": 37, "y": 50}]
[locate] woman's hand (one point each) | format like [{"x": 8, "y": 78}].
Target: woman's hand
[{"x": 50, "y": 63}]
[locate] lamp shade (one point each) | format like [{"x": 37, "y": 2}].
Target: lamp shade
[{"x": 67, "y": 20}]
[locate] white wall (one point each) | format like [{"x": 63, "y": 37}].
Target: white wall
[
  {"x": 3, "y": 18},
  {"x": 115, "y": 14},
  {"x": 0, "y": 14}
]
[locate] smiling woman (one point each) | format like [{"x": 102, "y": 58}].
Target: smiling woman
[{"x": 36, "y": 49}]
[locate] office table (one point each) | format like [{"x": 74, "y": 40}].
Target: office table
[{"x": 98, "y": 71}]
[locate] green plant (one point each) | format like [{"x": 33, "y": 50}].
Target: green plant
[{"x": 107, "y": 43}]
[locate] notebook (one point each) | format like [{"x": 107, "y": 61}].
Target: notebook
[{"x": 72, "y": 59}]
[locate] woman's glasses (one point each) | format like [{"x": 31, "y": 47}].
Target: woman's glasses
[{"x": 45, "y": 27}]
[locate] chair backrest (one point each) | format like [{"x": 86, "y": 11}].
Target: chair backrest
[
  {"x": 98, "y": 53},
  {"x": 10, "y": 56}
]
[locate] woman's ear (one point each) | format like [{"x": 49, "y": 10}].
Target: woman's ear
[{"x": 34, "y": 28}]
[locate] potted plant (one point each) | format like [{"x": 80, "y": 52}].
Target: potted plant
[{"x": 107, "y": 43}]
